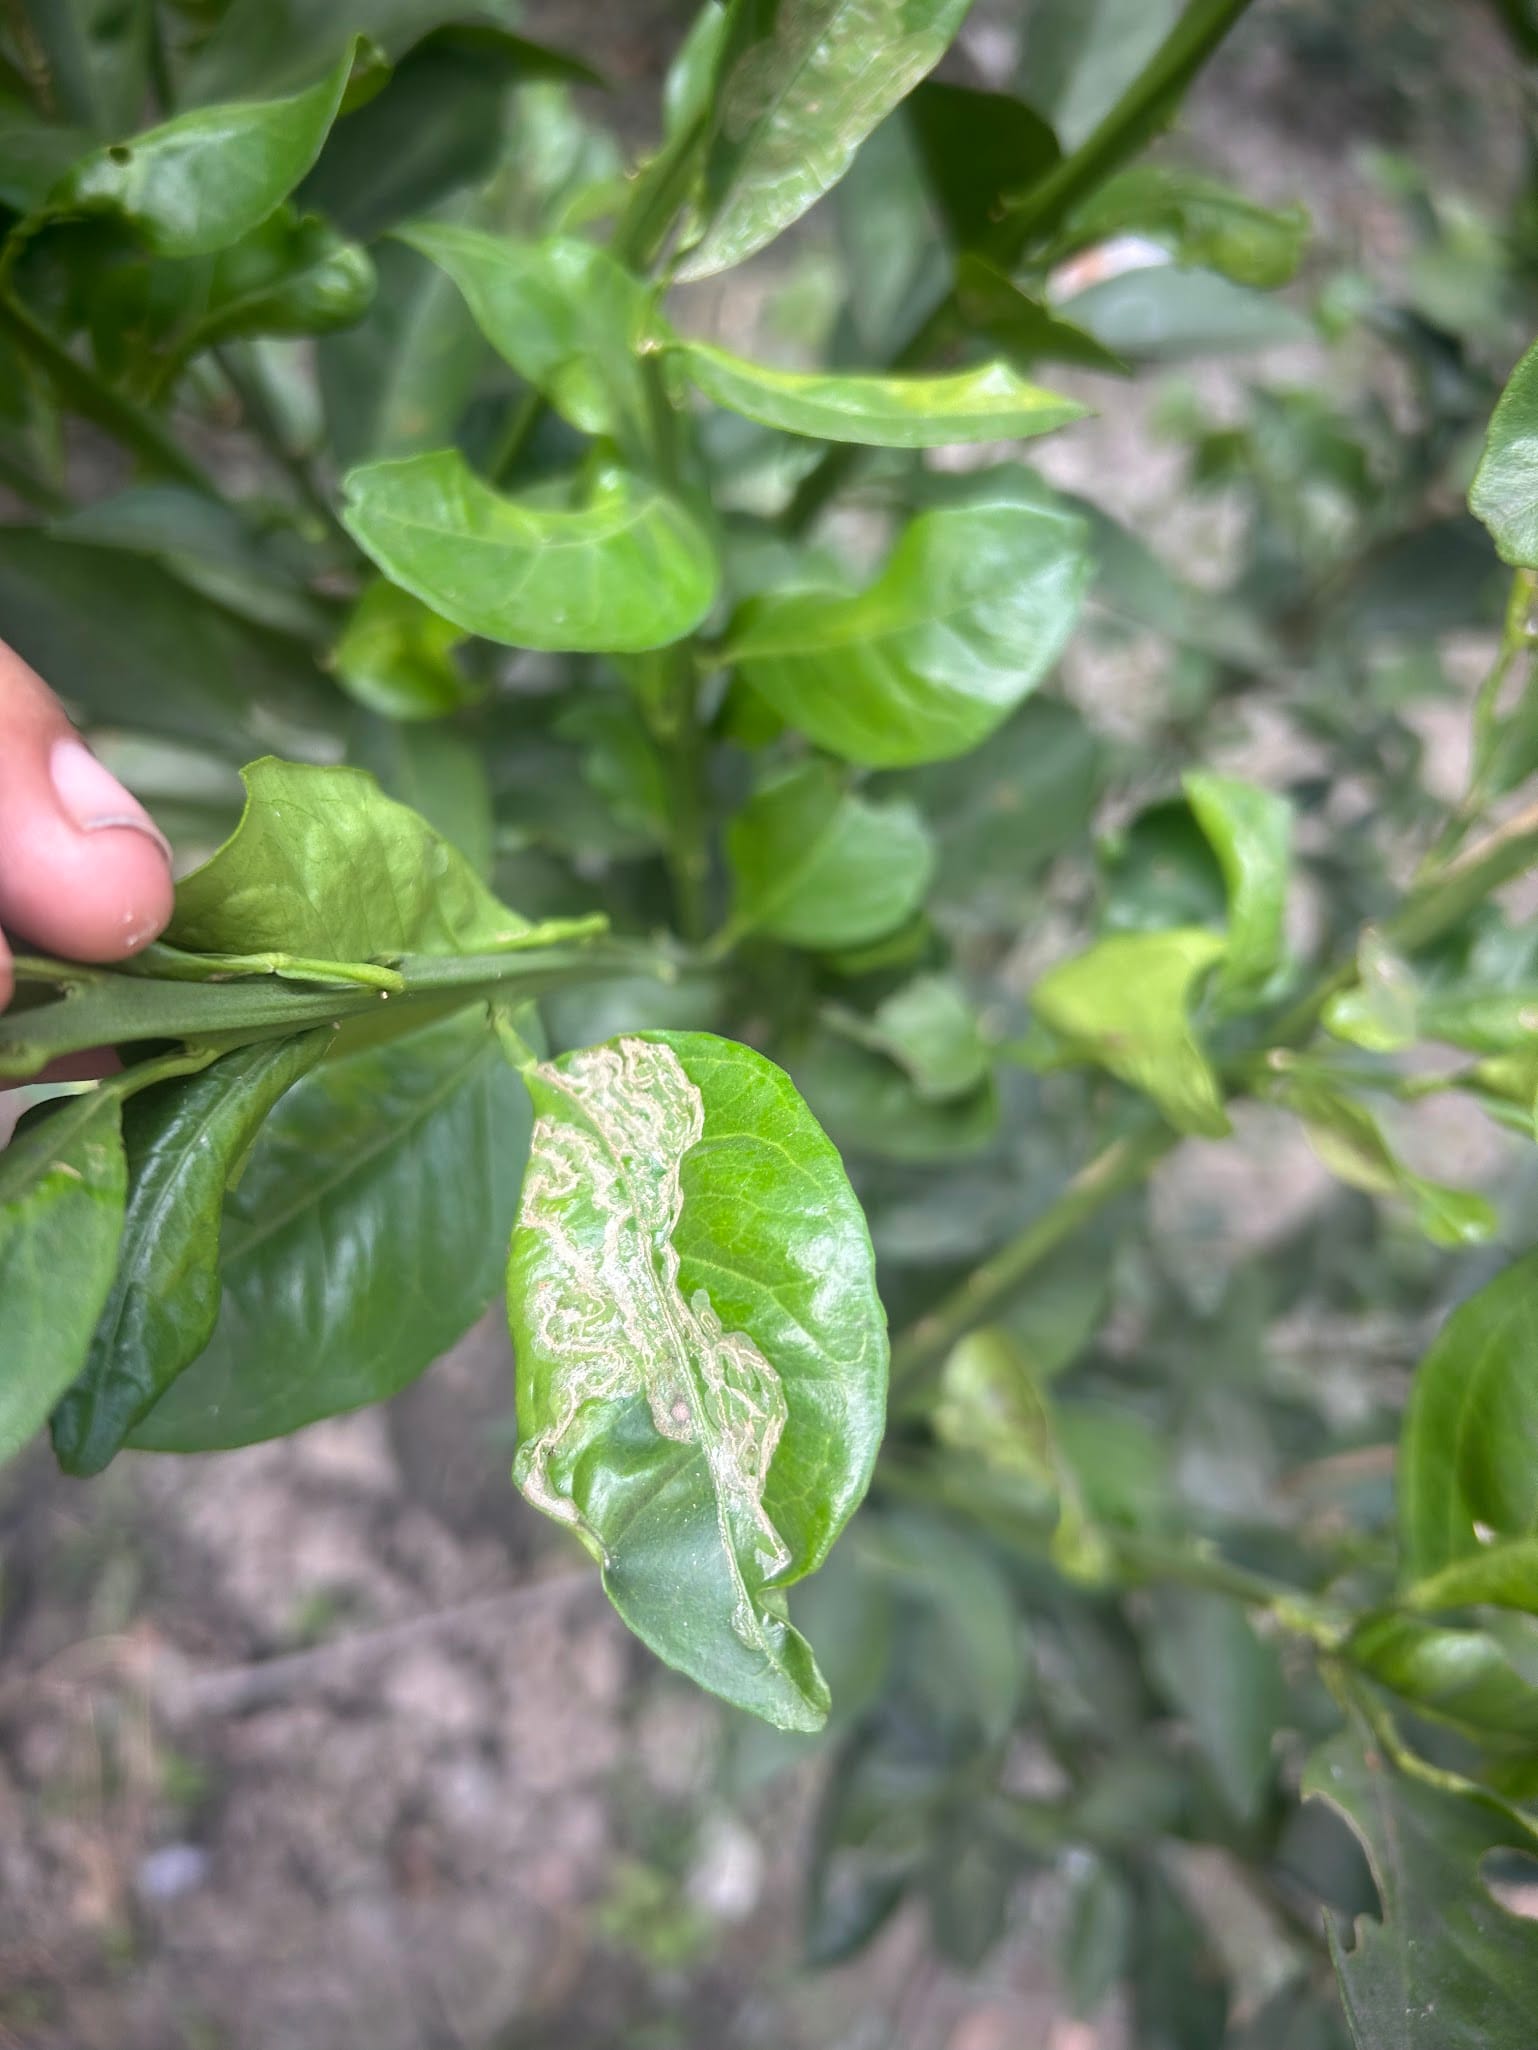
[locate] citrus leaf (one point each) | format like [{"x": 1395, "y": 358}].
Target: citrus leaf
[
  {"x": 566, "y": 316},
  {"x": 397, "y": 656},
  {"x": 1468, "y": 1455},
  {"x": 1250, "y": 831},
  {"x": 800, "y": 90},
  {"x": 204, "y": 179},
  {"x": 185, "y": 1140},
  {"x": 364, "y": 1237},
  {"x": 989, "y": 403},
  {"x": 326, "y": 867},
  {"x": 818, "y": 866},
  {"x": 971, "y": 611},
  {"x": 1125, "y": 1003},
  {"x": 1205, "y": 223},
  {"x": 1504, "y": 494},
  {"x": 62, "y": 1188},
  {"x": 629, "y": 570},
  {"x": 1349, "y": 1141},
  {"x": 1447, "y": 1968},
  {"x": 701, "y": 1351}
]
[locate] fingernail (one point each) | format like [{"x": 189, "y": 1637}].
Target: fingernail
[{"x": 93, "y": 797}]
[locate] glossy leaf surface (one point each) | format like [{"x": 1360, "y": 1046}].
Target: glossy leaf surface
[
  {"x": 186, "y": 1140},
  {"x": 292, "y": 275},
  {"x": 1250, "y": 832},
  {"x": 1469, "y": 1452},
  {"x": 1504, "y": 494},
  {"x": 798, "y": 94},
  {"x": 972, "y": 609},
  {"x": 1126, "y": 1003},
  {"x": 819, "y": 866},
  {"x": 629, "y": 570},
  {"x": 365, "y": 1235},
  {"x": 62, "y": 1187},
  {"x": 701, "y": 1352},
  {"x": 323, "y": 865},
  {"x": 1448, "y": 1968},
  {"x": 203, "y": 179},
  {"x": 987, "y": 404},
  {"x": 566, "y": 316},
  {"x": 397, "y": 656},
  {"x": 976, "y": 148}
]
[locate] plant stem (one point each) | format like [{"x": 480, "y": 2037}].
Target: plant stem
[
  {"x": 105, "y": 1007},
  {"x": 1122, "y": 1165},
  {"x": 80, "y": 388},
  {"x": 1515, "y": 641}
]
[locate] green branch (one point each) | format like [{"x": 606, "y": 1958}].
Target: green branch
[
  {"x": 96, "y": 1007},
  {"x": 1123, "y": 1164}
]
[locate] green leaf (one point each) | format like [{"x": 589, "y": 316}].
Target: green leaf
[
  {"x": 364, "y": 1237},
  {"x": 798, "y": 94},
  {"x": 627, "y": 571},
  {"x": 971, "y": 611},
  {"x": 818, "y": 866},
  {"x": 279, "y": 44},
  {"x": 930, "y": 1029},
  {"x": 1097, "y": 1937},
  {"x": 999, "y": 816},
  {"x": 976, "y": 148},
  {"x": 62, "y": 1188},
  {"x": 989, "y": 403},
  {"x": 1125, "y": 1003},
  {"x": 890, "y": 257},
  {"x": 204, "y": 179},
  {"x": 1160, "y": 314},
  {"x": 872, "y": 1105},
  {"x": 701, "y": 1351},
  {"x": 1501, "y": 1574},
  {"x": 208, "y": 547},
  {"x": 438, "y": 124},
  {"x": 1080, "y": 56},
  {"x": 126, "y": 644},
  {"x": 1348, "y": 1140},
  {"x": 397, "y": 657},
  {"x": 1484, "y": 1681},
  {"x": 1447, "y": 1968},
  {"x": 1206, "y": 224},
  {"x": 398, "y": 381},
  {"x": 563, "y": 313},
  {"x": 324, "y": 866},
  {"x": 1226, "y": 1682},
  {"x": 439, "y": 772},
  {"x": 1025, "y": 328},
  {"x": 1250, "y": 831},
  {"x": 1468, "y": 1456},
  {"x": 292, "y": 275},
  {"x": 186, "y": 1140},
  {"x": 96, "y": 55},
  {"x": 1504, "y": 494},
  {"x": 1116, "y": 131},
  {"x": 34, "y": 154},
  {"x": 991, "y": 1404}
]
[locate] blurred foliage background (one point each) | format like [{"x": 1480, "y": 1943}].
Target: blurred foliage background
[{"x": 317, "y": 1743}]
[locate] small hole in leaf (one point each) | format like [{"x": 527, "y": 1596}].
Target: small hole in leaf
[{"x": 120, "y": 153}]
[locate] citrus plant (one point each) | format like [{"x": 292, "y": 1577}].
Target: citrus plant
[{"x": 771, "y": 924}]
